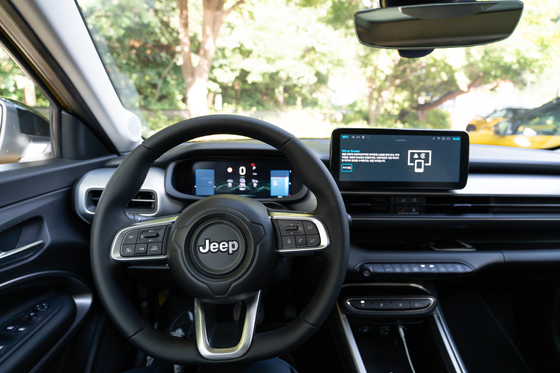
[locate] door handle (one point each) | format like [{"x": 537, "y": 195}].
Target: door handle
[{"x": 5, "y": 254}]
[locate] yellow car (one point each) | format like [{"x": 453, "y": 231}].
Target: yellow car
[
  {"x": 537, "y": 129},
  {"x": 488, "y": 121}
]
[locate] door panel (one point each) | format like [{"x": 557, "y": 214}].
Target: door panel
[{"x": 36, "y": 213}]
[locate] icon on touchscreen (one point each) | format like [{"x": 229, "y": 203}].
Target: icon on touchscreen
[{"x": 419, "y": 159}]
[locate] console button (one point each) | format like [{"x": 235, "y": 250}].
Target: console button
[
  {"x": 21, "y": 329},
  {"x": 130, "y": 237},
  {"x": 388, "y": 268},
  {"x": 397, "y": 268},
  {"x": 378, "y": 268},
  {"x": 310, "y": 227},
  {"x": 154, "y": 249},
  {"x": 417, "y": 304},
  {"x": 413, "y": 209},
  {"x": 313, "y": 240},
  {"x": 406, "y": 268},
  {"x": 288, "y": 242},
  {"x": 415, "y": 268},
  {"x": 467, "y": 268},
  {"x": 415, "y": 200},
  {"x": 41, "y": 307},
  {"x": 361, "y": 304},
  {"x": 141, "y": 249},
  {"x": 432, "y": 268},
  {"x": 127, "y": 250},
  {"x": 10, "y": 328},
  {"x": 380, "y": 304},
  {"x": 301, "y": 241},
  {"x": 400, "y": 304},
  {"x": 290, "y": 227},
  {"x": 29, "y": 317},
  {"x": 441, "y": 268},
  {"x": 3, "y": 347},
  {"x": 402, "y": 200},
  {"x": 424, "y": 268},
  {"x": 459, "y": 268},
  {"x": 450, "y": 268}
]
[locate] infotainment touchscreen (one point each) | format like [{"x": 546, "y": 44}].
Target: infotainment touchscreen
[{"x": 399, "y": 158}]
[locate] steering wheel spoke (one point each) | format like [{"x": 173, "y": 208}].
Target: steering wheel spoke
[
  {"x": 299, "y": 233},
  {"x": 143, "y": 241},
  {"x": 209, "y": 332}
]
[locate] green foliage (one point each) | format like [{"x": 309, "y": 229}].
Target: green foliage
[
  {"x": 435, "y": 119},
  {"x": 13, "y": 80}
]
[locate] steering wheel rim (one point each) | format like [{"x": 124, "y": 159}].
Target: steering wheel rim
[{"x": 111, "y": 216}]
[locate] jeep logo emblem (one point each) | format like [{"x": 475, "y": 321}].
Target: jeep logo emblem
[{"x": 214, "y": 246}]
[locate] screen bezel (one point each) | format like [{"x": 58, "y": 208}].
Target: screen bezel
[{"x": 368, "y": 185}]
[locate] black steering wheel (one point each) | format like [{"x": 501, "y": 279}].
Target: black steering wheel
[{"x": 220, "y": 249}]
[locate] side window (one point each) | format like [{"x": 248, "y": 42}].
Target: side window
[
  {"x": 545, "y": 122},
  {"x": 25, "y": 133}
]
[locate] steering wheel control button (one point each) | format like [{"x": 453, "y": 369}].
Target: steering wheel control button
[
  {"x": 127, "y": 250},
  {"x": 130, "y": 237},
  {"x": 310, "y": 227},
  {"x": 41, "y": 307},
  {"x": 290, "y": 227},
  {"x": 218, "y": 248},
  {"x": 301, "y": 241},
  {"x": 141, "y": 249},
  {"x": 288, "y": 242},
  {"x": 151, "y": 235},
  {"x": 313, "y": 240},
  {"x": 154, "y": 249}
]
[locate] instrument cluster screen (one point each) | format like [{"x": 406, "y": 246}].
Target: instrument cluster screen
[{"x": 263, "y": 179}]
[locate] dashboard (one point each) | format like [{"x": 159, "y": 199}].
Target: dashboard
[{"x": 507, "y": 213}]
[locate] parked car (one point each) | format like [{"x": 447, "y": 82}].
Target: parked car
[
  {"x": 536, "y": 129},
  {"x": 487, "y": 121}
]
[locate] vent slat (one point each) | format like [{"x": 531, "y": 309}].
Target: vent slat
[{"x": 144, "y": 202}]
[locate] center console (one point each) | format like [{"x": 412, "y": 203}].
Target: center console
[{"x": 393, "y": 327}]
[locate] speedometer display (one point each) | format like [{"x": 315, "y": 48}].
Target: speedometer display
[{"x": 264, "y": 179}]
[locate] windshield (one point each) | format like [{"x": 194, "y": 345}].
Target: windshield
[{"x": 298, "y": 65}]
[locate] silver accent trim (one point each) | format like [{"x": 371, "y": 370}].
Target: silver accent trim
[
  {"x": 323, "y": 235},
  {"x": 454, "y": 356},
  {"x": 245, "y": 341},
  {"x": 116, "y": 246},
  {"x": 98, "y": 179},
  {"x": 354, "y": 351},
  {"x": 5, "y": 254},
  {"x": 393, "y": 311}
]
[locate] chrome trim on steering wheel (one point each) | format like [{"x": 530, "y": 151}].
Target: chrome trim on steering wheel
[{"x": 245, "y": 341}]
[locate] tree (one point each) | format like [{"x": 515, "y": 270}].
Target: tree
[{"x": 196, "y": 77}]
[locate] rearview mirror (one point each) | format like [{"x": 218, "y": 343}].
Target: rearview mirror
[{"x": 438, "y": 25}]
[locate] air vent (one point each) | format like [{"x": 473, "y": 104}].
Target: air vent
[
  {"x": 527, "y": 205},
  {"x": 144, "y": 202},
  {"x": 357, "y": 204},
  {"x": 457, "y": 205},
  {"x": 450, "y": 205}
]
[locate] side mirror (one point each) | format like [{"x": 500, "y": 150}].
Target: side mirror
[
  {"x": 428, "y": 26},
  {"x": 24, "y": 133}
]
